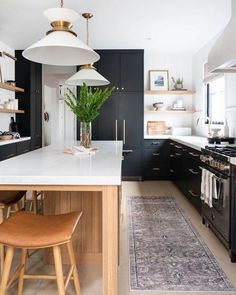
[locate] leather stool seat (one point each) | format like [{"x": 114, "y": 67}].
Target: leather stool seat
[
  {"x": 27, "y": 230},
  {"x": 8, "y": 198}
]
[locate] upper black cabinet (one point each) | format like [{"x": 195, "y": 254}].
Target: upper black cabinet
[
  {"x": 123, "y": 68},
  {"x": 29, "y": 75}
]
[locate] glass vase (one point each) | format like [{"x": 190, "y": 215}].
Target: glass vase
[{"x": 85, "y": 134}]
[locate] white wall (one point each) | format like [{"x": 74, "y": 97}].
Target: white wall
[
  {"x": 179, "y": 66},
  {"x": 199, "y": 59},
  {"x": 62, "y": 123},
  {"x": 8, "y": 73}
]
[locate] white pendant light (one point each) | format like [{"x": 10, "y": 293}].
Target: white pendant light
[
  {"x": 87, "y": 73},
  {"x": 60, "y": 46}
]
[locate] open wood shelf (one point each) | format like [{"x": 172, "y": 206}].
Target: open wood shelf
[
  {"x": 168, "y": 92},
  {"x": 169, "y": 112},
  {"x": 11, "y": 111},
  {"x": 11, "y": 87}
]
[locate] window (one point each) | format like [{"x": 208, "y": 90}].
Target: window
[{"x": 215, "y": 100}]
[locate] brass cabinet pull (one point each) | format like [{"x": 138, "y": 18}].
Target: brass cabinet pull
[
  {"x": 172, "y": 171},
  {"x": 193, "y": 193},
  {"x": 127, "y": 151},
  {"x": 178, "y": 146},
  {"x": 172, "y": 156},
  {"x": 156, "y": 154},
  {"x": 155, "y": 143},
  {"x": 193, "y": 154},
  {"x": 155, "y": 169},
  {"x": 116, "y": 128},
  {"x": 124, "y": 131},
  {"x": 177, "y": 154},
  {"x": 193, "y": 171}
]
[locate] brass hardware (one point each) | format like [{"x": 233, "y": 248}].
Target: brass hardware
[
  {"x": 178, "y": 146},
  {"x": 172, "y": 171},
  {"x": 194, "y": 155},
  {"x": 155, "y": 143},
  {"x": 155, "y": 169},
  {"x": 156, "y": 154},
  {"x": 124, "y": 131},
  {"x": 127, "y": 151},
  {"x": 88, "y": 66},
  {"x": 172, "y": 156},
  {"x": 61, "y": 25},
  {"x": 177, "y": 154},
  {"x": 172, "y": 143},
  {"x": 116, "y": 130},
  {"x": 117, "y": 88},
  {"x": 122, "y": 88},
  {"x": 87, "y": 15},
  {"x": 193, "y": 194},
  {"x": 193, "y": 171},
  {"x": 4, "y": 53}
]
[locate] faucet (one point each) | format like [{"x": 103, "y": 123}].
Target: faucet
[{"x": 209, "y": 124}]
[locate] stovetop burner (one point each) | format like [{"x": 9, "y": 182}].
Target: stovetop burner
[{"x": 229, "y": 151}]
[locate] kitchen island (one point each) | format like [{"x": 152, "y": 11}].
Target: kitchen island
[{"x": 77, "y": 183}]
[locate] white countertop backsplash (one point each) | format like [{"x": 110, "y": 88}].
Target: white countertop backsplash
[{"x": 4, "y": 142}]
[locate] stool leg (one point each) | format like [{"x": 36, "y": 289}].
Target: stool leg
[
  {"x": 34, "y": 202},
  {"x": 22, "y": 271},
  {"x": 59, "y": 271},
  {"x": 1, "y": 246},
  {"x": 6, "y": 270},
  {"x": 75, "y": 271}
]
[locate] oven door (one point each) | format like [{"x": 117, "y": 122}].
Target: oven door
[{"x": 219, "y": 215}]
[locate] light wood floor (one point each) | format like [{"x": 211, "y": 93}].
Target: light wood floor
[{"x": 90, "y": 276}]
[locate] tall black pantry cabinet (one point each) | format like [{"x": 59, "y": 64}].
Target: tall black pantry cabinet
[
  {"x": 29, "y": 75},
  {"x": 121, "y": 117}
]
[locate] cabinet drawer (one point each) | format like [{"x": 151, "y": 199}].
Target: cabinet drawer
[
  {"x": 156, "y": 143},
  {"x": 36, "y": 143},
  {"x": 23, "y": 147},
  {"x": 156, "y": 170},
  {"x": 7, "y": 151},
  {"x": 155, "y": 154}
]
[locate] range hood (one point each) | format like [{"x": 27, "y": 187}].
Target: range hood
[{"x": 222, "y": 57}]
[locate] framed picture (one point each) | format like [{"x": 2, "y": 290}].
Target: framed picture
[{"x": 159, "y": 79}]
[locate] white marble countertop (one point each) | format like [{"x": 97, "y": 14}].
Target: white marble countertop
[
  {"x": 195, "y": 142},
  {"x": 4, "y": 142},
  {"x": 50, "y": 166}
]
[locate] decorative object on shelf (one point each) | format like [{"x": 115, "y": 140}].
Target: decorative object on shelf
[
  {"x": 159, "y": 79},
  {"x": 13, "y": 126},
  {"x": 156, "y": 127},
  {"x": 178, "y": 105},
  {"x": 87, "y": 73},
  {"x": 169, "y": 92},
  {"x": 159, "y": 106},
  {"x": 178, "y": 84},
  {"x": 61, "y": 46},
  {"x": 86, "y": 107},
  {"x": 2, "y": 54}
]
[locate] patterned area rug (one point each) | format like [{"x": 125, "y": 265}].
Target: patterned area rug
[{"x": 166, "y": 252}]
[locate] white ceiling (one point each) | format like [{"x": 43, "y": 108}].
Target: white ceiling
[{"x": 174, "y": 27}]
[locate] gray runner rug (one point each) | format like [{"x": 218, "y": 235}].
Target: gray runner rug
[{"x": 166, "y": 252}]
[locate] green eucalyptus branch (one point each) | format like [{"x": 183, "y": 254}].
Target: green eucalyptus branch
[{"x": 86, "y": 106}]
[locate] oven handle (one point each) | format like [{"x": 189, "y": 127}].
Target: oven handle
[{"x": 222, "y": 179}]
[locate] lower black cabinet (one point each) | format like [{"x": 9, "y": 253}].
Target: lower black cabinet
[
  {"x": 156, "y": 160},
  {"x": 185, "y": 172},
  {"x": 8, "y": 151},
  {"x": 131, "y": 164},
  {"x": 23, "y": 147}
]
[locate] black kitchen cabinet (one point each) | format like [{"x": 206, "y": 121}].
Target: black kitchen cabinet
[
  {"x": 121, "y": 117},
  {"x": 233, "y": 215},
  {"x": 29, "y": 75},
  {"x": 156, "y": 160},
  {"x": 123, "y": 68},
  {"x": 185, "y": 172},
  {"x": 8, "y": 151},
  {"x": 23, "y": 147}
]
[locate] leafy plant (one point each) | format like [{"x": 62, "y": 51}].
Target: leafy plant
[
  {"x": 178, "y": 81},
  {"x": 86, "y": 106}
]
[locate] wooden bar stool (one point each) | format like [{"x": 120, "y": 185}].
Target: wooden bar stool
[
  {"x": 8, "y": 199},
  {"x": 29, "y": 231}
]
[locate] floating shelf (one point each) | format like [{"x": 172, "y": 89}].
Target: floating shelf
[
  {"x": 11, "y": 87},
  {"x": 11, "y": 111},
  {"x": 169, "y": 92},
  {"x": 169, "y": 112}
]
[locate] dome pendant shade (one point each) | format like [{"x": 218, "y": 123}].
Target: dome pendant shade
[
  {"x": 87, "y": 75},
  {"x": 60, "y": 46}
]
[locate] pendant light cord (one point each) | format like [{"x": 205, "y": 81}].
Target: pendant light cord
[
  {"x": 87, "y": 25},
  {"x": 62, "y": 3}
]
